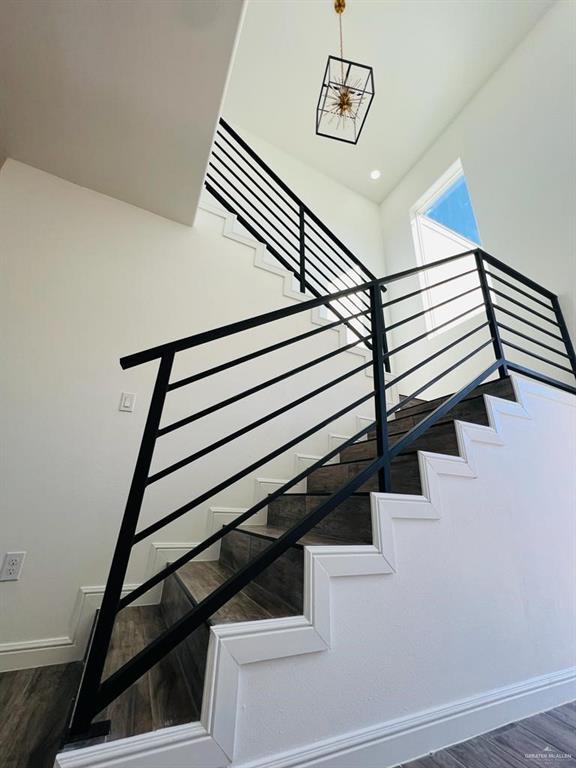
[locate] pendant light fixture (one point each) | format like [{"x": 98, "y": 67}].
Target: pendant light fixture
[{"x": 346, "y": 94}]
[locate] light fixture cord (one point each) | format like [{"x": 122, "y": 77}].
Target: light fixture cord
[{"x": 341, "y": 47}]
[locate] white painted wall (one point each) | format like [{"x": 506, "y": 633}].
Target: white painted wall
[
  {"x": 517, "y": 144},
  {"x": 351, "y": 217},
  {"x": 86, "y": 279}
]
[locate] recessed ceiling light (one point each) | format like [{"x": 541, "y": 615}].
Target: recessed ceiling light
[{"x": 375, "y": 174}]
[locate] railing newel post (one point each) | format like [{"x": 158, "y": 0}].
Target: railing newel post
[
  {"x": 564, "y": 332},
  {"x": 491, "y": 314},
  {"x": 302, "y": 244},
  {"x": 378, "y": 343},
  {"x": 86, "y": 702}
]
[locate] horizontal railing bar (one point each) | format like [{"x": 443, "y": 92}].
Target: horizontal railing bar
[
  {"x": 237, "y": 327},
  {"x": 254, "y": 425},
  {"x": 279, "y": 201},
  {"x": 515, "y": 274},
  {"x": 292, "y": 234},
  {"x": 247, "y": 212},
  {"x": 540, "y": 377},
  {"x": 293, "y": 196},
  {"x": 258, "y": 388},
  {"x": 319, "y": 291},
  {"x": 524, "y": 306},
  {"x": 537, "y": 357},
  {"x": 433, "y": 330},
  {"x": 500, "y": 279},
  {"x": 415, "y": 270},
  {"x": 317, "y": 254},
  {"x": 429, "y": 359},
  {"x": 318, "y": 232},
  {"x": 427, "y": 288},
  {"x": 171, "y": 637},
  {"x": 533, "y": 340},
  {"x": 441, "y": 411},
  {"x": 129, "y": 361},
  {"x": 499, "y": 308},
  {"x": 260, "y": 352},
  {"x": 440, "y": 376},
  {"x": 223, "y": 199},
  {"x": 253, "y": 188},
  {"x": 258, "y": 235},
  {"x": 246, "y": 471},
  {"x": 242, "y": 518},
  {"x": 356, "y": 300},
  {"x": 294, "y": 206},
  {"x": 433, "y": 308},
  {"x": 258, "y": 160}
]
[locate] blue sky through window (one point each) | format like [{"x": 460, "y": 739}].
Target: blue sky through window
[{"x": 453, "y": 209}]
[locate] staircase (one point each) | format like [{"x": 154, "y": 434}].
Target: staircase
[
  {"x": 244, "y": 572},
  {"x": 278, "y": 591}
]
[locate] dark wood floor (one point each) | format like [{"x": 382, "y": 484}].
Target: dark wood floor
[
  {"x": 547, "y": 740},
  {"x": 34, "y": 706},
  {"x": 35, "y": 703}
]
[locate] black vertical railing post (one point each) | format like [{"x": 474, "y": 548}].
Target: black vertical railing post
[
  {"x": 564, "y": 333},
  {"x": 83, "y": 711},
  {"x": 302, "y": 242},
  {"x": 491, "y": 314},
  {"x": 385, "y": 343},
  {"x": 378, "y": 341}
]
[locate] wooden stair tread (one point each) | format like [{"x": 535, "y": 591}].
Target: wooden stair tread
[
  {"x": 310, "y": 539},
  {"x": 498, "y": 387},
  {"x": 253, "y": 603}
]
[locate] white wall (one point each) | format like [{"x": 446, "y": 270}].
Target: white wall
[
  {"x": 517, "y": 144},
  {"x": 86, "y": 279},
  {"x": 473, "y": 607},
  {"x": 351, "y": 217}
]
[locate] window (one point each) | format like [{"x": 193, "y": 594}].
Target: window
[{"x": 443, "y": 224}]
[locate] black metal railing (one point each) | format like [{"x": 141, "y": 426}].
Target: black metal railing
[
  {"x": 245, "y": 185},
  {"x": 485, "y": 344}
]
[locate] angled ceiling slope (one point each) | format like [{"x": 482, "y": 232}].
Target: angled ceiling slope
[
  {"x": 119, "y": 97},
  {"x": 429, "y": 58}
]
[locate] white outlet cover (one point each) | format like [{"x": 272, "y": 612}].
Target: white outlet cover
[
  {"x": 127, "y": 402},
  {"x": 12, "y": 566}
]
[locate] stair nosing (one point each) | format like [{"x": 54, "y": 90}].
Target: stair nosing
[{"x": 330, "y": 540}]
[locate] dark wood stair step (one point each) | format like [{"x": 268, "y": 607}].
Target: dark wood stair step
[
  {"x": 162, "y": 697},
  {"x": 408, "y": 416},
  {"x": 191, "y": 584},
  {"x": 329, "y": 479},
  {"x": 440, "y": 438},
  {"x": 200, "y": 579},
  {"x": 350, "y": 521},
  {"x": 285, "y": 576}
]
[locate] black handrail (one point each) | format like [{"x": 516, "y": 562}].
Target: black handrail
[
  {"x": 246, "y": 186},
  {"x": 369, "y": 328},
  {"x": 204, "y": 337},
  {"x": 294, "y": 197}
]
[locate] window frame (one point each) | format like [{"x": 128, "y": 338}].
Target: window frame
[{"x": 417, "y": 213}]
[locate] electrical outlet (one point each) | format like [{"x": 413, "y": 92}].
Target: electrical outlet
[{"x": 12, "y": 566}]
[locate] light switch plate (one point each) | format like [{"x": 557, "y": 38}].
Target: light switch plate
[{"x": 127, "y": 401}]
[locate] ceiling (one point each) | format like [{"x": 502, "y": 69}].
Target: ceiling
[
  {"x": 429, "y": 58},
  {"x": 121, "y": 96}
]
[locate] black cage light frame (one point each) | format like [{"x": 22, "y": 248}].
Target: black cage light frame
[{"x": 359, "y": 80}]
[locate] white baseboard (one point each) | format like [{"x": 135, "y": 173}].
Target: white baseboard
[
  {"x": 168, "y": 748},
  {"x": 380, "y": 746},
  {"x": 398, "y": 741},
  {"x": 46, "y": 651}
]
